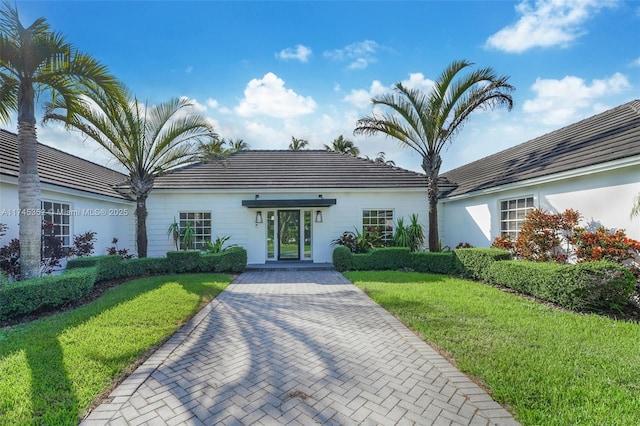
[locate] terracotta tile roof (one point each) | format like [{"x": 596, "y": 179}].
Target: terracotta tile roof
[
  {"x": 59, "y": 168},
  {"x": 608, "y": 136},
  {"x": 290, "y": 169}
]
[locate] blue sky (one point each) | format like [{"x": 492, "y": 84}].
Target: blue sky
[{"x": 267, "y": 71}]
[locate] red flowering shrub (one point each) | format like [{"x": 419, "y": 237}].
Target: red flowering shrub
[{"x": 605, "y": 244}]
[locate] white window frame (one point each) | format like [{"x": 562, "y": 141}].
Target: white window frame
[
  {"x": 59, "y": 213},
  {"x": 388, "y": 224},
  {"x": 512, "y": 214},
  {"x": 200, "y": 235}
]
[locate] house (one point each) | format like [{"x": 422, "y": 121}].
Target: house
[
  {"x": 592, "y": 166},
  {"x": 283, "y": 205},
  {"x": 290, "y": 205},
  {"x": 77, "y": 196}
]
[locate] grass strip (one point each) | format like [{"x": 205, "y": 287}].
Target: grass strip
[
  {"x": 548, "y": 366},
  {"x": 51, "y": 370}
]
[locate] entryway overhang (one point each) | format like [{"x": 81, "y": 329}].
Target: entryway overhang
[{"x": 313, "y": 202}]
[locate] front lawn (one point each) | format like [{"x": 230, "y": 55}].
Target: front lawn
[
  {"x": 52, "y": 370},
  {"x": 546, "y": 365}
]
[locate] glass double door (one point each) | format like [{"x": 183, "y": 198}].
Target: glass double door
[{"x": 289, "y": 235}]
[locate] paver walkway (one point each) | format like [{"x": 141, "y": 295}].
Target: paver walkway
[{"x": 296, "y": 347}]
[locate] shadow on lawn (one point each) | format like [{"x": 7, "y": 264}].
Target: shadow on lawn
[{"x": 52, "y": 393}]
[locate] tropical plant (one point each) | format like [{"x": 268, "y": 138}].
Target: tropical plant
[
  {"x": 212, "y": 150},
  {"x": 635, "y": 211},
  {"x": 426, "y": 122},
  {"x": 345, "y": 146},
  {"x": 188, "y": 236},
  {"x": 218, "y": 245},
  {"x": 174, "y": 232},
  {"x": 237, "y": 145},
  {"x": 36, "y": 60},
  {"x": 146, "y": 140},
  {"x": 381, "y": 159},
  {"x": 298, "y": 144},
  {"x": 401, "y": 234},
  {"x": 83, "y": 244},
  {"x": 359, "y": 242},
  {"x": 115, "y": 251},
  {"x": 415, "y": 232}
]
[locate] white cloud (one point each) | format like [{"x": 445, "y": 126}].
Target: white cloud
[
  {"x": 268, "y": 96},
  {"x": 361, "y": 98},
  {"x": 560, "y": 102},
  {"x": 417, "y": 81},
  {"x": 212, "y": 103},
  {"x": 300, "y": 53},
  {"x": 359, "y": 54},
  {"x": 636, "y": 63},
  {"x": 548, "y": 23}
]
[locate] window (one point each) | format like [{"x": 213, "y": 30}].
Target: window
[
  {"x": 59, "y": 215},
  {"x": 200, "y": 222},
  {"x": 379, "y": 222},
  {"x": 512, "y": 213}
]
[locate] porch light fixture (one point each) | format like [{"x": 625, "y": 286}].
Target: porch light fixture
[
  {"x": 318, "y": 216},
  {"x": 258, "y": 217}
]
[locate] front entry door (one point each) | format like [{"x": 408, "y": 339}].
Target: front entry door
[{"x": 288, "y": 234}]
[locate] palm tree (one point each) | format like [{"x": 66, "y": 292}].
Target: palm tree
[
  {"x": 36, "y": 60},
  {"x": 237, "y": 145},
  {"x": 381, "y": 159},
  {"x": 298, "y": 144},
  {"x": 345, "y": 146},
  {"x": 425, "y": 122},
  {"x": 147, "y": 141},
  {"x": 212, "y": 150}
]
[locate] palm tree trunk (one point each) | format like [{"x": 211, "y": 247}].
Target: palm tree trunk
[
  {"x": 141, "y": 225},
  {"x": 30, "y": 225},
  {"x": 431, "y": 166}
]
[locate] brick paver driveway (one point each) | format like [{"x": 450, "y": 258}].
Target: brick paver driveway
[{"x": 297, "y": 347}]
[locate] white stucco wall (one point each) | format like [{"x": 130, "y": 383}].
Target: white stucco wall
[
  {"x": 230, "y": 218},
  {"x": 602, "y": 197},
  {"x": 108, "y": 217}
]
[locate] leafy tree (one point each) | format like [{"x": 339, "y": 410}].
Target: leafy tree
[
  {"x": 426, "y": 121},
  {"x": 345, "y": 146},
  {"x": 36, "y": 60},
  {"x": 146, "y": 141},
  {"x": 298, "y": 144}
]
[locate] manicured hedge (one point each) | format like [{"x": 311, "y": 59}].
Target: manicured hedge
[
  {"x": 589, "y": 285},
  {"x": 438, "y": 263},
  {"x": 392, "y": 258},
  {"x": 24, "y": 297},
  {"x": 474, "y": 263}
]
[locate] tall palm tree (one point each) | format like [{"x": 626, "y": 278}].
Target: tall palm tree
[
  {"x": 37, "y": 60},
  {"x": 426, "y": 122},
  {"x": 345, "y": 146},
  {"x": 147, "y": 141},
  {"x": 298, "y": 144}
]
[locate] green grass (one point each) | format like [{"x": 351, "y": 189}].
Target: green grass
[
  {"x": 52, "y": 370},
  {"x": 549, "y": 367}
]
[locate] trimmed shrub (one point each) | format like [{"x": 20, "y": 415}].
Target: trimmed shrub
[
  {"x": 233, "y": 259},
  {"x": 435, "y": 262},
  {"x": 183, "y": 261},
  {"x": 138, "y": 267},
  {"x": 85, "y": 262},
  {"x": 3, "y": 280},
  {"x": 474, "y": 263},
  {"x": 390, "y": 258},
  {"x": 589, "y": 285},
  {"x": 109, "y": 268},
  {"x": 24, "y": 297},
  {"x": 342, "y": 259}
]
